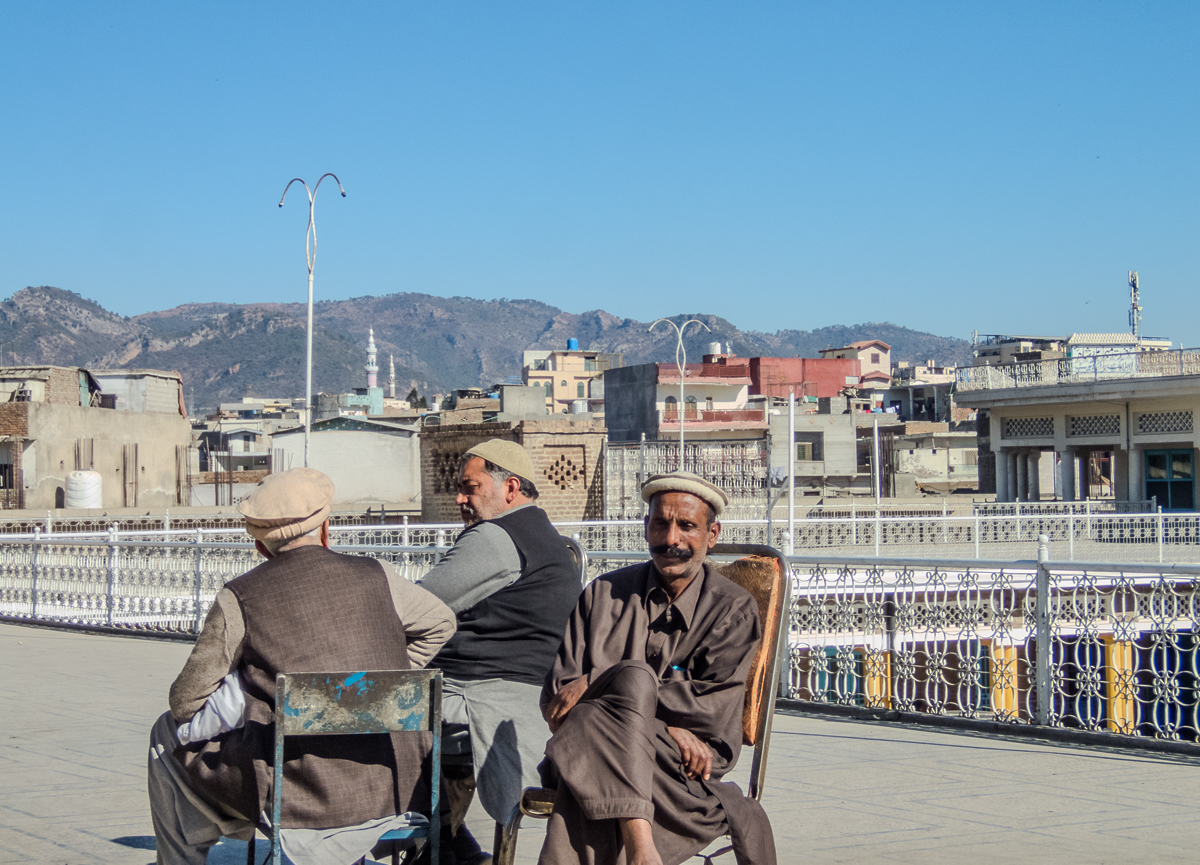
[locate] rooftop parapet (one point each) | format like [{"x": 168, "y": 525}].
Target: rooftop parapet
[{"x": 1079, "y": 370}]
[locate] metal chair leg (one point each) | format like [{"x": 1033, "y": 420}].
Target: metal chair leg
[
  {"x": 504, "y": 847},
  {"x": 250, "y": 851}
]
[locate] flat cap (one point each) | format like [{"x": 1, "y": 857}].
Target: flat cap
[
  {"x": 506, "y": 454},
  {"x": 685, "y": 482},
  {"x": 287, "y": 504}
]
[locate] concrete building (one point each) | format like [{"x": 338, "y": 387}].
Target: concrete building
[
  {"x": 833, "y": 446},
  {"x": 567, "y": 377},
  {"x": 644, "y": 400},
  {"x": 1119, "y": 425},
  {"x": 932, "y": 460},
  {"x": 567, "y": 460},
  {"x": 56, "y": 420},
  {"x": 804, "y": 376},
  {"x": 874, "y": 358},
  {"x": 369, "y": 461},
  {"x": 1000, "y": 349},
  {"x": 142, "y": 390}
]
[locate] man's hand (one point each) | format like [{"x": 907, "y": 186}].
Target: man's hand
[
  {"x": 697, "y": 757},
  {"x": 564, "y": 701}
]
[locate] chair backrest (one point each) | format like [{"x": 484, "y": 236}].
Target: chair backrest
[
  {"x": 378, "y": 701},
  {"x": 763, "y": 572},
  {"x": 579, "y": 554},
  {"x": 357, "y": 703}
]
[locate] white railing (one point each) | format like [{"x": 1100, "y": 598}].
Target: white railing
[
  {"x": 1102, "y": 646},
  {"x": 1079, "y": 370}
]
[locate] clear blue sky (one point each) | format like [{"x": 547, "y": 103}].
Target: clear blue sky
[{"x": 947, "y": 167}]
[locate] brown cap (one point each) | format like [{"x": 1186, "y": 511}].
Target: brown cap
[
  {"x": 685, "y": 482},
  {"x": 287, "y": 504},
  {"x": 508, "y": 455}
]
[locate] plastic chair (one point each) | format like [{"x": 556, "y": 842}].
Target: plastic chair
[
  {"x": 356, "y": 703},
  {"x": 772, "y": 590}
]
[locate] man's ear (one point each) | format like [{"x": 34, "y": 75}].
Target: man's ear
[
  {"x": 262, "y": 548},
  {"x": 512, "y": 488},
  {"x": 325, "y": 534},
  {"x": 714, "y": 532}
]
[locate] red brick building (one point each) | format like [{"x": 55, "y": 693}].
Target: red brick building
[{"x": 805, "y": 376}]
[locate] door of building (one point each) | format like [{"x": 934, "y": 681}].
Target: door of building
[{"x": 1170, "y": 478}]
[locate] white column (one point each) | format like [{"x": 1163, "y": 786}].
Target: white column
[
  {"x": 1066, "y": 474},
  {"x": 1023, "y": 476},
  {"x": 1001, "y": 475},
  {"x": 1034, "y": 484},
  {"x": 1011, "y": 494},
  {"x": 1137, "y": 468}
]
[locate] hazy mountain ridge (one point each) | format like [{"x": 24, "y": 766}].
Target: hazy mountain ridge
[{"x": 225, "y": 351}]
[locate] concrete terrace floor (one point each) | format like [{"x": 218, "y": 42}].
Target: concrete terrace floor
[{"x": 75, "y": 710}]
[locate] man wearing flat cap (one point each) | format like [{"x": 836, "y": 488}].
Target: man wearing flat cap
[
  {"x": 512, "y": 583},
  {"x": 305, "y": 609},
  {"x": 645, "y": 700}
]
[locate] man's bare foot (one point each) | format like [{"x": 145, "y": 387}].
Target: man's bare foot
[{"x": 639, "y": 842}]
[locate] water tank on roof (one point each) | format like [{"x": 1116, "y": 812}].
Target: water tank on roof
[
  {"x": 714, "y": 348},
  {"x": 84, "y": 490},
  {"x": 579, "y": 406},
  {"x": 572, "y": 344}
]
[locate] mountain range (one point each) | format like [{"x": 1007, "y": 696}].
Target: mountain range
[{"x": 225, "y": 351}]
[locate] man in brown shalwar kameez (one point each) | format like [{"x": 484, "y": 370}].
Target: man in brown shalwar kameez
[{"x": 645, "y": 700}]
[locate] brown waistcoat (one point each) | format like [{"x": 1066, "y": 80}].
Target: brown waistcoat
[{"x": 313, "y": 610}]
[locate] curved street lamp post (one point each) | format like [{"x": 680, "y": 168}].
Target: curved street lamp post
[
  {"x": 680, "y": 362},
  {"x": 310, "y": 255}
]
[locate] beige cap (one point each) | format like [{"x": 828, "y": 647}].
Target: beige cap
[
  {"x": 685, "y": 482},
  {"x": 508, "y": 455},
  {"x": 287, "y": 504}
]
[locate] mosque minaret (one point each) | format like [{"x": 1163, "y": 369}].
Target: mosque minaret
[{"x": 372, "y": 365}]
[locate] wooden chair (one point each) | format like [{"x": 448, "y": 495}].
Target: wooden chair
[
  {"x": 356, "y": 703},
  {"x": 764, "y": 573}
]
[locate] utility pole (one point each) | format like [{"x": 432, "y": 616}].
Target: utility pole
[
  {"x": 310, "y": 255},
  {"x": 681, "y": 363}
]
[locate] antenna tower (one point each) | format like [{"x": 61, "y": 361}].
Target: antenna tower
[{"x": 1135, "y": 308}]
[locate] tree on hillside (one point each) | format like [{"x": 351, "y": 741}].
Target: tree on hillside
[{"x": 415, "y": 401}]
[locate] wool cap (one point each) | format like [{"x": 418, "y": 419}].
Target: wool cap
[
  {"x": 287, "y": 504},
  {"x": 685, "y": 482},
  {"x": 506, "y": 454}
]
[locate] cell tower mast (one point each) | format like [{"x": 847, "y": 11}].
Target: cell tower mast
[{"x": 1135, "y": 308}]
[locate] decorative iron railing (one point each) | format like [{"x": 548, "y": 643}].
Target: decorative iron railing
[
  {"x": 1078, "y": 370},
  {"x": 1102, "y": 645}
]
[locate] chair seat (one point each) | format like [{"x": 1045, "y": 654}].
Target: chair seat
[
  {"x": 404, "y": 834},
  {"x": 537, "y": 802}
]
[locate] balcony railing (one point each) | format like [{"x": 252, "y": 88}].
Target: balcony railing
[
  {"x": 1079, "y": 370},
  {"x": 669, "y": 372},
  {"x": 746, "y": 416}
]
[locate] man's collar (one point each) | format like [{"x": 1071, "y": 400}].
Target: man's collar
[{"x": 685, "y": 604}]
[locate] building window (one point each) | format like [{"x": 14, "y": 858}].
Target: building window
[
  {"x": 579, "y": 390},
  {"x": 564, "y": 382},
  {"x": 549, "y": 390},
  {"x": 874, "y": 357},
  {"x": 1170, "y": 478},
  {"x": 246, "y": 444}
]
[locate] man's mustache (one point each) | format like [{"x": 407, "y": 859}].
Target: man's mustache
[{"x": 669, "y": 552}]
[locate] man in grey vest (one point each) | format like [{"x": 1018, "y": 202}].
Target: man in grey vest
[
  {"x": 306, "y": 609},
  {"x": 512, "y": 583}
]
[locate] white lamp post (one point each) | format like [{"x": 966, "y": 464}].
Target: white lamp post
[
  {"x": 310, "y": 255},
  {"x": 680, "y": 362}
]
